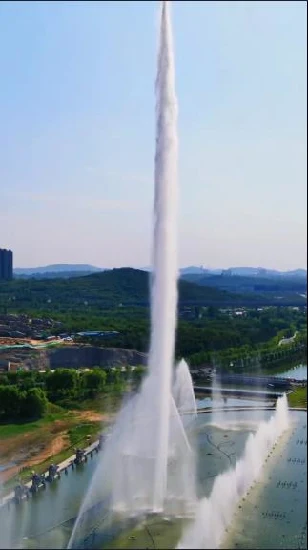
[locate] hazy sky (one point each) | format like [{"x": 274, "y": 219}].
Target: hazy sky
[{"x": 77, "y": 132}]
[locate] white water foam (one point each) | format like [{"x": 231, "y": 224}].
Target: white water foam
[{"x": 215, "y": 513}]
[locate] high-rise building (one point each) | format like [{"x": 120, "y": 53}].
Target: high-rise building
[{"x": 6, "y": 264}]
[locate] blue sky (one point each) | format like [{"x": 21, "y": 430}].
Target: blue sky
[{"x": 77, "y": 132}]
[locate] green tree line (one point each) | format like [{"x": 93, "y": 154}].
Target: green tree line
[
  {"x": 207, "y": 330},
  {"x": 25, "y": 394}
]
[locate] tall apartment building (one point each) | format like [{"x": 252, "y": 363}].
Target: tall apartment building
[{"x": 6, "y": 264}]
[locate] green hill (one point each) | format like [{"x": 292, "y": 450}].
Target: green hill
[
  {"x": 110, "y": 288},
  {"x": 244, "y": 283}
]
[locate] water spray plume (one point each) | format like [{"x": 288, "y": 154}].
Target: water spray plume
[
  {"x": 148, "y": 463},
  {"x": 164, "y": 280},
  {"x": 215, "y": 513}
]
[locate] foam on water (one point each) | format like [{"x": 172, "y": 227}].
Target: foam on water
[{"x": 215, "y": 513}]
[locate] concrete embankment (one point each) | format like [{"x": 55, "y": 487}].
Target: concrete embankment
[
  {"x": 89, "y": 356},
  {"x": 57, "y": 355},
  {"x": 62, "y": 466}
]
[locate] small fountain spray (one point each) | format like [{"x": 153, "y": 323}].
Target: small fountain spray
[{"x": 215, "y": 513}]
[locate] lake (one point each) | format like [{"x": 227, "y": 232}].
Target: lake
[{"x": 270, "y": 517}]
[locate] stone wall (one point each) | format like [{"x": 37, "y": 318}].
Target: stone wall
[{"x": 88, "y": 356}]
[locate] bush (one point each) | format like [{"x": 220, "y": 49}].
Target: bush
[
  {"x": 16, "y": 403},
  {"x": 10, "y": 401},
  {"x": 34, "y": 403},
  {"x": 94, "y": 381},
  {"x": 61, "y": 384}
]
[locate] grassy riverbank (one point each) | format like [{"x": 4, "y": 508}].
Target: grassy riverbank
[
  {"x": 298, "y": 397},
  {"x": 28, "y": 446},
  {"x": 76, "y": 436}
]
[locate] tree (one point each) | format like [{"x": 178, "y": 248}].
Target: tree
[
  {"x": 139, "y": 371},
  {"x": 33, "y": 403},
  {"x": 4, "y": 381},
  {"x": 61, "y": 383},
  {"x": 10, "y": 401},
  {"x": 114, "y": 378},
  {"x": 212, "y": 312},
  {"x": 15, "y": 403},
  {"x": 12, "y": 377},
  {"x": 26, "y": 379},
  {"x": 94, "y": 381}
]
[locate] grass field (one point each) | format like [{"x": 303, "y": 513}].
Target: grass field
[
  {"x": 78, "y": 436},
  {"x": 54, "y": 413},
  {"x": 298, "y": 397},
  {"x": 35, "y": 445}
]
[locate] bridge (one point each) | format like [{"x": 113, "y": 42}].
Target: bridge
[
  {"x": 265, "y": 382},
  {"x": 238, "y": 392}
]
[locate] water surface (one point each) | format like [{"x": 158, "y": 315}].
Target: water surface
[
  {"x": 272, "y": 513},
  {"x": 298, "y": 373}
]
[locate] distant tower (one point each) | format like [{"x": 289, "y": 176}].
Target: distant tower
[{"x": 6, "y": 264}]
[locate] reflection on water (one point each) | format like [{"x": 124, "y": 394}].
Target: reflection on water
[
  {"x": 271, "y": 510},
  {"x": 298, "y": 373}
]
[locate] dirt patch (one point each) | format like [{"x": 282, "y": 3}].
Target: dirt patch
[
  {"x": 35, "y": 447},
  {"x": 54, "y": 447},
  {"x": 21, "y": 445},
  {"x": 7, "y": 474},
  {"x": 94, "y": 416},
  {"x": 31, "y": 443},
  {"x": 36, "y": 455}
]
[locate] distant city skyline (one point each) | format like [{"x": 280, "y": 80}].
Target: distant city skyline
[{"x": 77, "y": 132}]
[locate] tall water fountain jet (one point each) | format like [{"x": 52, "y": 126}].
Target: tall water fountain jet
[
  {"x": 164, "y": 284},
  {"x": 148, "y": 463}
]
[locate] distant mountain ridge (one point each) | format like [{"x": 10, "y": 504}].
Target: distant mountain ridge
[
  {"x": 57, "y": 269},
  {"x": 244, "y": 272},
  {"x": 108, "y": 288},
  {"x": 128, "y": 287},
  {"x": 72, "y": 270}
]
